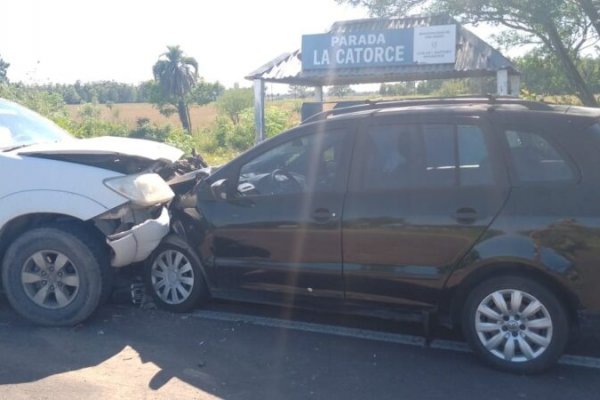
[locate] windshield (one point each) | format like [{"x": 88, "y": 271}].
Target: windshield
[{"x": 20, "y": 127}]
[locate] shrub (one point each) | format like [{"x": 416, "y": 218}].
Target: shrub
[{"x": 242, "y": 136}]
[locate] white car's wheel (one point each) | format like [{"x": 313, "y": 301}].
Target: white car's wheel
[{"x": 53, "y": 276}]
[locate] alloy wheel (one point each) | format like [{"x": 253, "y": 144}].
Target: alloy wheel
[
  {"x": 50, "y": 279},
  {"x": 513, "y": 325}
]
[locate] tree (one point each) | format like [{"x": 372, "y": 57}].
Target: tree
[
  {"x": 300, "y": 92},
  {"x": 559, "y": 27},
  {"x": 340, "y": 91},
  {"x": 206, "y": 92},
  {"x": 234, "y": 101},
  {"x": 176, "y": 75},
  {"x": 591, "y": 8},
  {"x": 3, "y": 69}
]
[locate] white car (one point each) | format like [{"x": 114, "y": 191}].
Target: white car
[{"x": 70, "y": 209}]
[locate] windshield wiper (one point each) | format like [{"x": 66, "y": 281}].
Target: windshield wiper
[{"x": 4, "y": 150}]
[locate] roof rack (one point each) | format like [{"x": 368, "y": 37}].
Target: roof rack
[{"x": 422, "y": 101}]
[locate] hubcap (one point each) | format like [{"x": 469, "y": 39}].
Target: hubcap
[
  {"x": 50, "y": 279},
  {"x": 172, "y": 277},
  {"x": 513, "y": 325}
]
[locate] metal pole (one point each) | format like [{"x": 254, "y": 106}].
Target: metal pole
[
  {"x": 259, "y": 110},
  {"x": 515, "y": 85},
  {"x": 502, "y": 82},
  {"x": 319, "y": 93}
]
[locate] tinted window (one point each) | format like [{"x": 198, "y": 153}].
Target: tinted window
[
  {"x": 473, "y": 156},
  {"x": 388, "y": 156},
  {"x": 535, "y": 159},
  {"x": 304, "y": 164},
  {"x": 440, "y": 155},
  {"x": 398, "y": 156}
]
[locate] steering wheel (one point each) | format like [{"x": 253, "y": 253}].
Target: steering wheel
[{"x": 285, "y": 184}]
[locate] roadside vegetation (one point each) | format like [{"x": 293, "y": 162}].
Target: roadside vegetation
[
  {"x": 562, "y": 33},
  {"x": 181, "y": 108}
]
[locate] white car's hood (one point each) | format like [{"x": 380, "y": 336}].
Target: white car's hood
[{"x": 108, "y": 145}]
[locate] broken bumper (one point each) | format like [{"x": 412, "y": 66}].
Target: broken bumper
[{"x": 137, "y": 243}]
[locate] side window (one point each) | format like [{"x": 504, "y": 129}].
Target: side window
[
  {"x": 432, "y": 155},
  {"x": 474, "y": 162},
  {"x": 388, "y": 156},
  {"x": 310, "y": 163},
  {"x": 440, "y": 156},
  {"x": 535, "y": 159}
]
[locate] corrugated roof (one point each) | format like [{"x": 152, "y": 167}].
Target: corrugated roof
[{"x": 474, "y": 57}]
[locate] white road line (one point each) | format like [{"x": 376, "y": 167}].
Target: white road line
[{"x": 579, "y": 361}]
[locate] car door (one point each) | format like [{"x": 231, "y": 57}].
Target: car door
[
  {"x": 421, "y": 194},
  {"x": 278, "y": 237}
]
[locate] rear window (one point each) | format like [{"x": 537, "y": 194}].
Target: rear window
[{"x": 535, "y": 159}]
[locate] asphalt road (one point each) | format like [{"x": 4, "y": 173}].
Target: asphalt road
[{"x": 237, "y": 351}]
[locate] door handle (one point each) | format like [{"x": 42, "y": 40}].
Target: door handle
[
  {"x": 466, "y": 215},
  {"x": 322, "y": 215}
]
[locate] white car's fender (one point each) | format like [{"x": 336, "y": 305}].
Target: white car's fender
[
  {"x": 37, "y": 185},
  {"x": 48, "y": 201}
]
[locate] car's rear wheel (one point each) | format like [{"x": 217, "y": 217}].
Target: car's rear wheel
[
  {"x": 515, "y": 324},
  {"x": 53, "y": 276},
  {"x": 174, "y": 276}
]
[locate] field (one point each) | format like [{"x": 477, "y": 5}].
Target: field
[{"x": 202, "y": 116}]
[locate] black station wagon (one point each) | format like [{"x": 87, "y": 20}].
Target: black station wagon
[{"x": 481, "y": 213}]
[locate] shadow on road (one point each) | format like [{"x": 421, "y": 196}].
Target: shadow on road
[{"x": 145, "y": 351}]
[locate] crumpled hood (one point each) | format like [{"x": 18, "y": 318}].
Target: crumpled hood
[{"x": 106, "y": 145}]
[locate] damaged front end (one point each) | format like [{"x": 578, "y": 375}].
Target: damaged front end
[
  {"x": 133, "y": 233},
  {"x": 151, "y": 174},
  {"x": 135, "y": 229}
]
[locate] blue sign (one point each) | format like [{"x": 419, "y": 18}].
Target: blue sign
[{"x": 382, "y": 48}]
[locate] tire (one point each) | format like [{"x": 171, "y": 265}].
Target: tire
[
  {"x": 174, "y": 276},
  {"x": 525, "y": 337},
  {"x": 54, "y": 275}
]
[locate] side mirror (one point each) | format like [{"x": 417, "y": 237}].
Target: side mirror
[{"x": 219, "y": 189}]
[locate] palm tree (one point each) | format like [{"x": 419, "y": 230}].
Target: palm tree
[{"x": 176, "y": 75}]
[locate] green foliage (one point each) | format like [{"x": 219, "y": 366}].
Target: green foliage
[
  {"x": 454, "y": 87},
  {"x": 218, "y": 144},
  {"x": 96, "y": 92},
  {"x": 394, "y": 89},
  {"x": 542, "y": 74},
  {"x": 90, "y": 124},
  {"x": 3, "y": 69},
  {"x": 300, "y": 92},
  {"x": 50, "y": 105},
  {"x": 559, "y": 28},
  {"x": 106, "y": 92},
  {"x": 206, "y": 92},
  {"x": 241, "y": 136},
  {"x": 340, "y": 91},
  {"x": 176, "y": 75},
  {"x": 233, "y": 102}
]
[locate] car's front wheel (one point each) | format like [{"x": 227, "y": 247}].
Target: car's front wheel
[
  {"x": 174, "y": 276},
  {"x": 54, "y": 276},
  {"x": 515, "y": 324}
]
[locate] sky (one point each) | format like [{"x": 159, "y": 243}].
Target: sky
[{"x": 62, "y": 41}]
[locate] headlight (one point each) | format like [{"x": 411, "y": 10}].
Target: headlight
[{"x": 142, "y": 189}]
